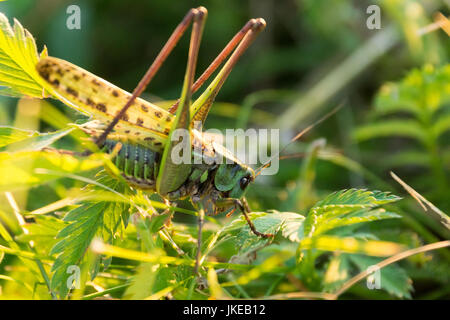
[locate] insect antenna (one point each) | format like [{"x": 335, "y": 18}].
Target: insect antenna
[{"x": 298, "y": 136}]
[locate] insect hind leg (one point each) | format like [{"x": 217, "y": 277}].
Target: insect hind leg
[{"x": 154, "y": 67}]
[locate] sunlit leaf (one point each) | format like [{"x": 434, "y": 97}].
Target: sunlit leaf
[
  {"x": 388, "y": 128},
  {"x": 29, "y": 168},
  {"x": 351, "y": 245},
  {"x": 18, "y": 58},
  {"x": 393, "y": 279},
  {"x": 36, "y": 142},
  {"x": 9, "y": 135}
]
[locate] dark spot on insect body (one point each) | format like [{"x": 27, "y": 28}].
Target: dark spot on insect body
[
  {"x": 144, "y": 108},
  {"x": 89, "y": 102},
  {"x": 158, "y": 143},
  {"x": 158, "y": 114},
  {"x": 55, "y": 82},
  {"x": 166, "y": 131},
  {"x": 94, "y": 81},
  {"x": 168, "y": 119},
  {"x": 137, "y": 133},
  {"x": 76, "y": 77},
  {"x": 101, "y": 107},
  {"x": 149, "y": 138},
  {"x": 139, "y": 122},
  {"x": 127, "y": 131},
  {"x": 44, "y": 73},
  {"x": 115, "y": 93},
  {"x": 72, "y": 92},
  {"x": 60, "y": 72}
]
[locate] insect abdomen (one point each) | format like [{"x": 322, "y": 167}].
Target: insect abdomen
[{"x": 137, "y": 164}]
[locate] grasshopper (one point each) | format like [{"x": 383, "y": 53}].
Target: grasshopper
[{"x": 144, "y": 131}]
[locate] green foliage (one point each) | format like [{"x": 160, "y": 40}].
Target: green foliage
[
  {"x": 393, "y": 278},
  {"x": 25, "y": 169},
  {"x": 423, "y": 93},
  {"x": 15, "y": 139},
  {"x": 9, "y": 135},
  {"x": 18, "y": 57},
  {"x": 100, "y": 218},
  {"x": 415, "y": 108}
]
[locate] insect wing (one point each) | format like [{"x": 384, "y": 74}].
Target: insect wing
[{"x": 144, "y": 122}]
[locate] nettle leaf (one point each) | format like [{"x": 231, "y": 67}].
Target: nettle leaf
[
  {"x": 339, "y": 204},
  {"x": 354, "y": 218},
  {"x": 84, "y": 222},
  {"x": 116, "y": 214},
  {"x": 103, "y": 219},
  {"x": 18, "y": 58},
  {"x": 393, "y": 278}
]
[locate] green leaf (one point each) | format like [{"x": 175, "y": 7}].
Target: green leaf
[
  {"x": 266, "y": 222},
  {"x": 355, "y": 217},
  {"x": 37, "y": 142},
  {"x": 387, "y": 128},
  {"x": 442, "y": 125},
  {"x": 9, "y": 135},
  {"x": 76, "y": 238},
  {"x": 116, "y": 214},
  {"x": 18, "y": 58},
  {"x": 339, "y": 204},
  {"x": 422, "y": 90},
  {"x": 394, "y": 279},
  {"x": 42, "y": 232},
  {"x": 142, "y": 283},
  {"x": 26, "y": 169},
  {"x": 351, "y": 245}
]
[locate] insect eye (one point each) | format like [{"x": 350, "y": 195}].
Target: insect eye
[{"x": 244, "y": 182}]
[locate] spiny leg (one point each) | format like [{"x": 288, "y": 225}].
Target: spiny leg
[
  {"x": 172, "y": 174},
  {"x": 153, "y": 69},
  {"x": 218, "y": 60},
  {"x": 201, "y": 106}
]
